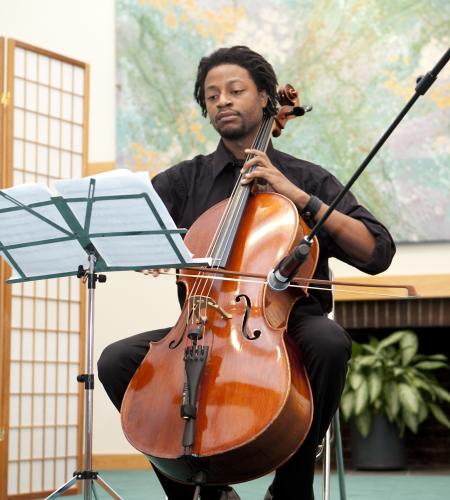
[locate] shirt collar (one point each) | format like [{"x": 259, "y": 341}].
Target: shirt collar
[{"x": 223, "y": 157}]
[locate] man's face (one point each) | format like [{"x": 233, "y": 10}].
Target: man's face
[{"x": 233, "y": 102}]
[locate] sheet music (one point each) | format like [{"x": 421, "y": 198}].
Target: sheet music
[
  {"x": 19, "y": 226},
  {"x": 47, "y": 255}
]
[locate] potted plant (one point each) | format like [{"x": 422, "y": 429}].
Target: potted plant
[{"x": 390, "y": 385}]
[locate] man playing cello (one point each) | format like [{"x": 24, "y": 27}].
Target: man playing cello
[{"x": 235, "y": 87}]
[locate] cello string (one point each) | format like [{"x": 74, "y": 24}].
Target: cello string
[
  {"x": 236, "y": 197},
  {"x": 220, "y": 244},
  {"x": 229, "y": 207},
  {"x": 261, "y": 140},
  {"x": 240, "y": 195},
  {"x": 238, "y": 201}
]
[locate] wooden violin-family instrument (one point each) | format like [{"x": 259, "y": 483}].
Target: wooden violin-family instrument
[{"x": 224, "y": 397}]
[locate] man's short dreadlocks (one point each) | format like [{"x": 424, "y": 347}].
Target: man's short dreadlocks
[{"x": 260, "y": 70}]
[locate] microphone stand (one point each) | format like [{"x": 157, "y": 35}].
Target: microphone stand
[{"x": 280, "y": 277}]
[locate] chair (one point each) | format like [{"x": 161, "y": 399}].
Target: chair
[{"x": 333, "y": 436}]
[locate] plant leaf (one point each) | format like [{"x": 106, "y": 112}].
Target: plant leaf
[
  {"x": 375, "y": 385},
  {"x": 439, "y": 415},
  {"x": 441, "y": 393},
  {"x": 363, "y": 423},
  {"x": 391, "y": 339},
  {"x": 411, "y": 420},
  {"x": 409, "y": 398},
  {"x": 392, "y": 398},
  {"x": 408, "y": 345},
  {"x": 431, "y": 365},
  {"x": 347, "y": 405},
  {"x": 361, "y": 397},
  {"x": 368, "y": 360},
  {"x": 423, "y": 413},
  {"x": 422, "y": 384},
  {"x": 355, "y": 379},
  {"x": 433, "y": 357}
]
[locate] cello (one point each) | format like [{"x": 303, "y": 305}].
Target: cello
[{"x": 224, "y": 396}]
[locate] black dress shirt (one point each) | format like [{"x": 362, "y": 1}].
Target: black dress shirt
[{"x": 191, "y": 187}]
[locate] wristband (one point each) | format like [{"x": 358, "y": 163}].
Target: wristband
[{"x": 311, "y": 208}]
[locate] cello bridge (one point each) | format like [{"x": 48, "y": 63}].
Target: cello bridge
[{"x": 199, "y": 304}]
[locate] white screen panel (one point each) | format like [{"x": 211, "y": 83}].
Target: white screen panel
[
  {"x": 36, "y": 471},
  {"x": 55, "y": 73},
  {"x": 14, "y": 402},
  {"x": 38, "y": 410},
  {"x": 19, "y": 62},
  {"x": 66, "y": 110},
  {"x": 61, "y": 410},
  {"x": 18, "y": 153},
  {"x": 50, "y": 378},
  {"x": 67, "y": 77},
  {"x": 13, "y": 477},
  {"x": 26, "y": 410},
  {"x": 62, "y": 378},
  {"x": 24, "y": 471},
  {"x": 19, "y": 123},
  {"x": 31, "y": 101},
  {"x": 19, "y": 93},
  {"x": 42, "y": 138},
  {"x": 49, "y": 482},
  {"x": 27, "y": 377},
  {"x": 44, "y": 69},
  {"x": 38, "y": 442},
  {"x": 13, "y": 442},
  {"x": 32, "y": 60},
  {"x": 25, "y": 444},
  {"x": 43, "y": 99},
  {"x": 61, "y": 441},
  {"x": 30, "y": 126},
  {"x": 45, "y": 329},
  {"x": 30, "y": 156}
]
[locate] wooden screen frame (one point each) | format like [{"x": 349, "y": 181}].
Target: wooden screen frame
[
  {"x": 4, "y": 339},
  {"x": 6, "y": 176}
]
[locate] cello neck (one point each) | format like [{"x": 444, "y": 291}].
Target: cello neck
[{"x": 223, "y": 242}]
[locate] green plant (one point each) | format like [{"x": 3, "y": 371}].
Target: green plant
[{"x": 388, "y": 377}]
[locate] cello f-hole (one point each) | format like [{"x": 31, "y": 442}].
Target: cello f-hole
[{"x": 248, "y": 306}]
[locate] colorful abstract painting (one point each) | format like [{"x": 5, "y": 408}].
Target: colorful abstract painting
[{"x": 354, "y": 61}]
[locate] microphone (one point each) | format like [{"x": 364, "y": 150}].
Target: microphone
[{"x": 279, "y": 278}]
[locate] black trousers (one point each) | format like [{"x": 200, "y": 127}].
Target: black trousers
[{"x": 326, "y": 348}]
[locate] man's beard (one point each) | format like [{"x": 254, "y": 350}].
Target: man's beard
[{"x": 238, "y": 132}]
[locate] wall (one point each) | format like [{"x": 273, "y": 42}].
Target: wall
[{"x": 130, "y": 302}]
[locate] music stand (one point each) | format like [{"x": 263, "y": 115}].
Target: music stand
[{"x": 59, "y": 235}]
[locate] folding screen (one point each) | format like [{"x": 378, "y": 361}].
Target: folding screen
[{"x": 42, "y": 330}]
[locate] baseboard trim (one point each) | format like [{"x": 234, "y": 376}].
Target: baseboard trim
[{"x": 134, "y": 461}]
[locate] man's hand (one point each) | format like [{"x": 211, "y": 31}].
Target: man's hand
[{"x": 266, "y": 170}]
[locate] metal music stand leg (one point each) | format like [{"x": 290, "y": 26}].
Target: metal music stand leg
[{"x": 88, "y": 476}]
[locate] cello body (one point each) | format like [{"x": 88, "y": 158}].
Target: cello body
[{"x": 254, "y": 403}]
